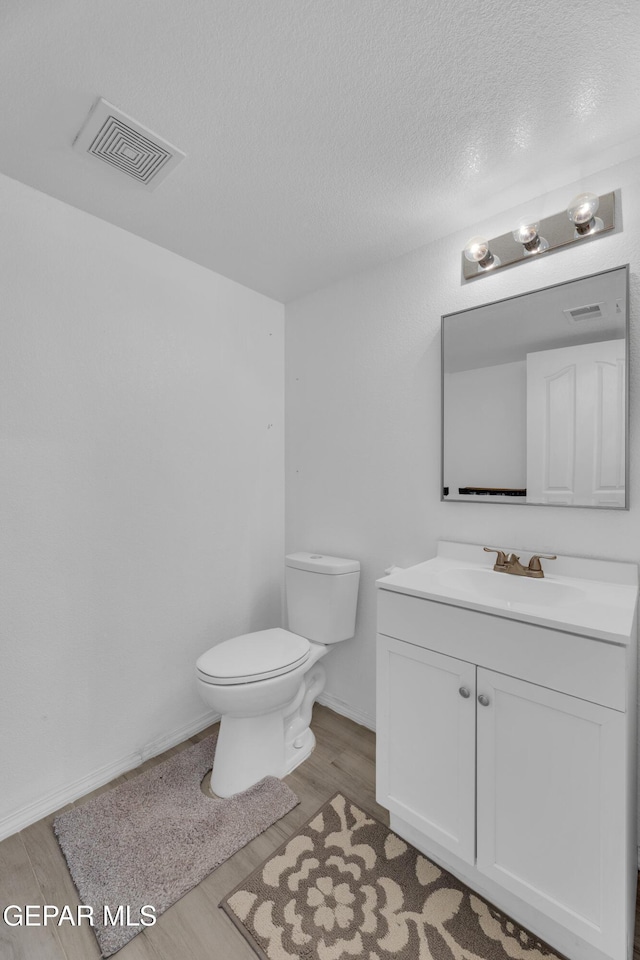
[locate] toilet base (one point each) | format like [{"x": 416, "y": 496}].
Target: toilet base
[
  {"x": 297, "y": 755},
  {"x": 271, "y": 744}
]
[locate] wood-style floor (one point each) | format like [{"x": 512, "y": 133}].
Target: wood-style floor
[{"x": 33, "y": 870}]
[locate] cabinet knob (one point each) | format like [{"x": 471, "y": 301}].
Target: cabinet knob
[
  {"x": 484, "y": 700},
  {"x": 464, "y": 692}
]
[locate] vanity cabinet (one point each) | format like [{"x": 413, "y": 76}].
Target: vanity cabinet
[{"x": 505, "y": 753}]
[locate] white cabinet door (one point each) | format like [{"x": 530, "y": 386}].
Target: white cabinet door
[
  {"x": 576, "y": 425},
  {"x": 550, "y": 813},
  {"x": 426, "y": 742}
]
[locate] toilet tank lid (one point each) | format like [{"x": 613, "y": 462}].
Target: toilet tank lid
[{"x": 321, "y": 563}]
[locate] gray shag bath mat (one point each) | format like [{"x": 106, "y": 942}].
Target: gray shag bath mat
[
  {"x": 151, "y": 840},
  {"x": 346, "y": 887}
]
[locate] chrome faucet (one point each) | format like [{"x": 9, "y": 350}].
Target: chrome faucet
[{"x": 510, "y": 563}]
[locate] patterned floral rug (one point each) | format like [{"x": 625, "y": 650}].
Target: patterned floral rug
[{"x": 345, "y": 887}]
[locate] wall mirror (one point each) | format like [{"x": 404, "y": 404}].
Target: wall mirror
[{"x": 535, "y": 396}]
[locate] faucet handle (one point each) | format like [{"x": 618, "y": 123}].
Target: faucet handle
[
  {"x": 501, "y": 559},
  {"x": 534, "y": 563}
]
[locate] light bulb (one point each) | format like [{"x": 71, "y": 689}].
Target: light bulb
[
  {"x": 528, "y": 234},
  {"x": 477, "y": 251},
  {"x": 582, "y": 213}
]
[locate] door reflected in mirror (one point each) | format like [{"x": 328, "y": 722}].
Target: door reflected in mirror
[{"x": 534, "y": 396}]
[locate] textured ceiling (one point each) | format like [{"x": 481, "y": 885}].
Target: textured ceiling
[{"x": 322, "y": 136}]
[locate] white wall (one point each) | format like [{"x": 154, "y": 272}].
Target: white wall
[
  {"x": 485, "y": 412},
  {"x": 363, "y": 414},
  {"x": 141, "y": 459}
]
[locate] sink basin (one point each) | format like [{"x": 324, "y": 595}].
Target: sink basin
[{"x": 507, "y": 588}]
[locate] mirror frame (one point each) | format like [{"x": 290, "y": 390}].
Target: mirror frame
[{"x": 518, "y": 500}]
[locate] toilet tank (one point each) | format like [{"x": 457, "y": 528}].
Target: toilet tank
[{"x": 322, "y": 595}]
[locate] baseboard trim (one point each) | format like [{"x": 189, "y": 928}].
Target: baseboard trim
[
  {"x": 58, "y": 798},
  {"x": 51, "y": 802},
  {"x": 346, "y": 710}
]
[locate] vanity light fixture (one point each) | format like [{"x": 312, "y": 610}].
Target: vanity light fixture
[
  {"x": 477, "y": 252},
  {"x": 530, "y": 239}
]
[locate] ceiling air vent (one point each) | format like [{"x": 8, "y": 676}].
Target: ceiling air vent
[
  {"x": 592, "y": 311},
  {"x": 113, "y": 137}
]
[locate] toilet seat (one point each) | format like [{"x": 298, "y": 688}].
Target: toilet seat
[{"x": 253, "y": 656}]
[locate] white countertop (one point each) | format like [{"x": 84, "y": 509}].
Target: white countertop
[{"x": 601, "y": 594}]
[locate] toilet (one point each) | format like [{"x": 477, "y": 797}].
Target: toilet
[{"x": 264, "y": 684}]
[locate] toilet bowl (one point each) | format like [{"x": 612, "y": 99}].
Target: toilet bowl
[{"x": 264, "y": 684}]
